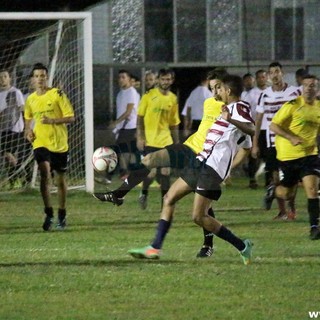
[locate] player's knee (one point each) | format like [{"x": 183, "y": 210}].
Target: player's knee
[
  {"x": 197, "y": 219},
  {"x": 169, "y": 200},
  {"x": 147, "y": 161}
]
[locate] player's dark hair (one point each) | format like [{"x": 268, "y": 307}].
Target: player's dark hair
[
  {"x": 38, "y": 66},
  {"x": 126, "y": 72},
  {"x": 275, "y": 64},
  {"x": 235, "y": 83},
  {"x": 166, "y": 71},
  {"x": 260, "y": 71},
  {"x": 301, "y": 72},
  {"x": 247, "y": 75},
  {"x": 217, "y": 73},
  {"x": 310, "y": 76}
]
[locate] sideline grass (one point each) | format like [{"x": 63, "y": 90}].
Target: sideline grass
[{"x": 85, "y": 272}]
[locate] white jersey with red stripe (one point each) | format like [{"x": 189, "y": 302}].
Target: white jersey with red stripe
[
  {"x": 224, "y": 139},
  {"x": 271, "y": 101}
]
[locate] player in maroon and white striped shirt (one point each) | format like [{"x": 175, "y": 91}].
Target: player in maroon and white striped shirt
[{"x": 270, "y": 101}]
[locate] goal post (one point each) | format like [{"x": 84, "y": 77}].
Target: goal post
[{"x": 63, "y": 42}]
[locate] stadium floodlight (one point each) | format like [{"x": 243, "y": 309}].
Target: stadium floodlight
[{"x": 63, "y": 42}]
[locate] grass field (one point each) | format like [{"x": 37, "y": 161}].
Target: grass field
[{"x": 84, "y": 272}]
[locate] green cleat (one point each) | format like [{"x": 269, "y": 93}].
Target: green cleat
[
  {"x": 246, "y": 253},
  {"x": 147, "y": 252}
]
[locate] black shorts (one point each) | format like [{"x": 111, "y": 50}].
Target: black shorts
[
  {"x": 203, "y": 180},
  {"x": 181, "y": 156},
  {"x": 58, "y": 161},
  {"x": 11, "y": 141},
  {"x": 262, "y": 142},
  {"x": 272, "y": 163},
  {"x": 126, "y": 142},
  {"x": 292, "y": 171}
]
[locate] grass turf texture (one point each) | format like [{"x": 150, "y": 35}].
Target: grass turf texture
[{"x": 84, "y": 272}]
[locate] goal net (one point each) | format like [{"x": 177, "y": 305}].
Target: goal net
[{"x": 61, "y": 41}]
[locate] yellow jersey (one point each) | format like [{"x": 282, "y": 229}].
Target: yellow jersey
[
  {"x": 211, "y": 110},
  {"x": 159, "y": 112},
  {"x": 302, "y": 120},
  {"x": 53, "y": 104}
]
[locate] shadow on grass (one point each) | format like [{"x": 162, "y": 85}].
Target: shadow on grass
[{"x": 93, "y": 263}]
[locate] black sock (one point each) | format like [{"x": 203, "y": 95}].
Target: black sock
[
  {"x": 207, "y": 235},
  {"x": 48, "y": 211},
  {"x": 313, "y": 210},
  {"x": 162, "y": 230},
  {"x": 134, "y": 179},
  {"x": 228, "y": 236},
  {"x": 62, "y": 214}
]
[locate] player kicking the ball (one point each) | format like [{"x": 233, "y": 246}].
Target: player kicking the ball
[{"x": 229, "y": 132}]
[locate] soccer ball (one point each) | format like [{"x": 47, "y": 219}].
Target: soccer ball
[{"x": 103, "y": 159}]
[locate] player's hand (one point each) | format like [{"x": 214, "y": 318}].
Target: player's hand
[
  {"x": 30, "y": 136},
  {"x": 295, "y": 140},
  {"x": 255, "y": 152},
  {"x": 46, "y": 120},
  {"x": 225, "y": 113},
  {"x": 141, "y": 143},
  {"x": 112, "y": 125}
]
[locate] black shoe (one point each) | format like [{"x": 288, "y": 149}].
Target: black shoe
[
  {"x": 143, "y": 201},
  {"x": 315, "y": 233},
  {"x": 47, "y": 224},
  {"x": 62, "y": 223},
  {"x": 205, "y": 252},
  {"x": 109, "y": 197},
  {"x": 269, "y": 196},
  {"x": 253, "y": 185}
]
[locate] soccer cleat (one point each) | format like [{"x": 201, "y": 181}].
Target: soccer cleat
[
  {"x": 280, "y": 216},
  {"x": 246, "y": 253},
  {"x": 48, "y": 222},
  {"x": 61, "y": 224},
  {"x": 269, "y": 196},
  {"x": 147, "y": 252},
  {"x": 314, "y": 233},
  {"x": 205, "y": 252},
  {"x": 291, "y": 215},
  {"x": 109, "y": 197},
  {"x": 143, "y": 201}
]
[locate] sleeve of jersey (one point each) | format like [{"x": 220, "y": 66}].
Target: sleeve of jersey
[
  {"x": 20, "y": 98},
  {"x": 283, "y": 114},
  {"x": 65, "y": 105},
  {"x": 260, "y": 106},
  {"x": 185, "y": 108},
  {"x": 143, "y": 105},
  {"x": 27, "y": 110},
  {"x": 242, "y": 113},
  {"x": 175, "y": 119}
]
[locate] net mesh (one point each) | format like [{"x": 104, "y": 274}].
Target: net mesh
[{"x": 59, "y": 45}]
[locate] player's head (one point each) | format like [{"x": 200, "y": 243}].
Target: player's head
[
  {"x": 310, "y": 85},
  {"x": 165, "y": 79},
  {"x": 248, "y": 81},
  {"x": 231, "y": 88},
  {"x": 39, "y": 74},
  {"x": 214, "y": 77},
  {"x": 150, "y": 79},
  {"x": 5, "y": 78},
  {"x": 300, "y": 73},
  {"x": 261, "y": 78},
  {"x": 135, "y": 81},
  {"x": 275, "y": 73},
  {"x": 124, "y": 79}
]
